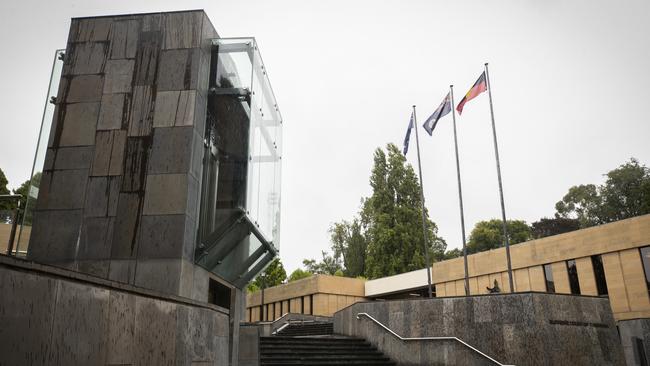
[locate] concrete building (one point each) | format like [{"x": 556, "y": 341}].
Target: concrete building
[{"x": 154, "y": 198}]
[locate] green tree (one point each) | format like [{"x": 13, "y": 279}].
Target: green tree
[
  {"x": 548, "y": 227},
  {"x": 349, "y": 243},
  {"x": 392, "y": 216},
  {"x": 453, "y": 253},
  {"x": 488, "y": 235},
  {"x": 299, "y": 274},
  {"x": 625, "y": 194},
  {"x": 273, "y": 275},
  {"x": 328, "y": 265},
  {"x": 4, "y": 204}
]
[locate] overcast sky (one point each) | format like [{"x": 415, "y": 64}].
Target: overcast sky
[{"x": 570, "y": 87}]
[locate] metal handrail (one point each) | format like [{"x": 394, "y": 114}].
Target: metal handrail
[{"x": 407, "y": 339}]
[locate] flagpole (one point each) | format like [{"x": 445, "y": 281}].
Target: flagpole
[
  {"x": 503, "y": 207},
  {"x": 424, "y": 227},
  {"x": 460, "y": 192}
]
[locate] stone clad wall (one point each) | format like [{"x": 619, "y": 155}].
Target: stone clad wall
[
  {"x": 119, "y": 197},
  {"x": 52, "y": 316},
  {"x": 519, "y": 329}
]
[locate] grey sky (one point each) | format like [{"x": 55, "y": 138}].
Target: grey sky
[{"x": 570, "y": 87}]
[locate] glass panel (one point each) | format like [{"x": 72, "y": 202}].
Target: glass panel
[
  {"x": 572, "y": 270},
  {"x": 39, "y": 156},
  {"x": 645, "y": 258},
  {"x": 548, "y": 277},
  {"x": 599, "y": 274}
]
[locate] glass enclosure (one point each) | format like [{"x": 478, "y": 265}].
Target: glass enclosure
[
  {"x": 239, "y": 225},
  {"x": 39, "y": 157}
]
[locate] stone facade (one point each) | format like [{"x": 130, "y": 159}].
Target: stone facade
[
  {"x": 54, "y": 316},
  {"x": 520, "y": 329},
  {"x": 635, "y": 337},
  {"x": 119, "y": 197}
]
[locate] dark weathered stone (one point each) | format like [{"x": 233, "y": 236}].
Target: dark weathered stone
[
  {"x": 109, "y": 153},
  {"x": 90, "y": 29},
  {"x": 101, "y": 196},
  {"x": 85, "y": 58},
  {"x": 124, "y": 39},
  {"x": 178, "y": 69},
  {"x": 56, "y": 239},
  {"x": 127, "y": 226},
  {"x": 84, "y": 88},
  {"x": 65, "y": 158},
  {"x": 112, "y": 112},
  {"x": 119, "y": 76},
  {"x": 182, "y": 30},
  {"x": 162, "y": 237},
  {"x": 146, "y": 60},
  {"x": 174, "y": 108},
  {"x": 166, "y": 194},
  {"x": 62, "y": 189},
  {"x": 136, "y": 159},
  {"x": 79, "y": 124},
  {"x": 171, "y": 151},
  {"x": 142, "y": 111}
]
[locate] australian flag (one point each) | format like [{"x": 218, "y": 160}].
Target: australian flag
[
  {"x": 443, "y": 110},
  {"x": 408, "y": 135}
]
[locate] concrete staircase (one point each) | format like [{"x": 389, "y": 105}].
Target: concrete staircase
[
  {"x": 313, "y": 328},
  {"x": 319, "y": 350}
]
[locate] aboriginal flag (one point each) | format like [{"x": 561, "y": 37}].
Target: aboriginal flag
[{"x": 479, "y": 87}]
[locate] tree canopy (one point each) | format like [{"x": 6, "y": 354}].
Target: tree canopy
[
  {"x": 273, "y": 275},
  {"x": 488, "y": 235},
  {"x": 299, "y": 274},
  {"x": 625, "y": 194}
]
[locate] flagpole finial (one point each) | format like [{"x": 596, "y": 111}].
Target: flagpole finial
[
  {"x": 486, "y": 64},
  {"x": 451, "y": 85}
]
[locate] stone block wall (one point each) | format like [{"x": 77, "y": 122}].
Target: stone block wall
[
  {"x": 119, "y": 196},
  {"x": 519, "y": 329},
  {"x": 635, "y": 338},
  {"x": 52, "y": 316}
]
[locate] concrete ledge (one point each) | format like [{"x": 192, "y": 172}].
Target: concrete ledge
[{"x": 65, "y": 274}]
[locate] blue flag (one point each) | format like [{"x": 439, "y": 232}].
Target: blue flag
[
  {"x": 443, "y": 110},
  {"x": 408, "y": 135}
]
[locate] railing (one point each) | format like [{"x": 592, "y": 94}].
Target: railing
[
  {"x": 287, "y": 322},
  {"x": 409, "y": 339}
]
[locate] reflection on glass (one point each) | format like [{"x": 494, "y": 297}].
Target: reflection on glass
[
  {"x": 239, "y": 225},
  {"x": 645, "y": 258},
  {"x": 548, "y": 278},
  {"x": 599, "y": 274},
  {"x": 39, "y": 157},
  {"x": 572, "y": 270}
]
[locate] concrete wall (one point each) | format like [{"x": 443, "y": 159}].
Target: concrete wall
[
  {"x": 120, "y": 188},
  {"x": 316, "y": 295},
  {"x": 521, "y": 329},
  {"x": 635, "y": 337},
  {"x": 52, "y": 316},
  {"x": 249, "y": 345},
  {"x": 617, "y": 242}
]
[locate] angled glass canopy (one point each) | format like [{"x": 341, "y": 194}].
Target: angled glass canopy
[{"x": 239, "y": 225}]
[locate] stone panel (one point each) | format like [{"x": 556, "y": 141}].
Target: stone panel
[
  {"x": 635, "y": 280},
  {"x": 119, "y": 76},
  {"x": 96, "y": 238},
  {"x": 174, "y": 108},
  {"x": 561, "y": 278},
  {"x": 66, "y": 158},
  {"x": 162, "y": 237},
  {"x": 62, "y": 189},
  {"x": 522, "y": 281},
  {"x": 102, "y": 196},
  {"x": 171, "y": 151},
  {"x": 79, "y": 124},
  {"x": 148, "y": 53},
  {"x": 166, "y": 194},
  {"x": 136, "y": 159},
  {"x": 586, "y": 276},
  {"x": 142, "y": 108},
  {"x": 90, "y": 29},
  {"x": 155, "y": 332},
  {"x": 178, "y": 69},
  {"x": 182, "y": 30},
  {"x": 80, "y": 327},
  {"x": 121, "y": 332},
  {"x": 112, "y": 112},
  {"x": 124, "y": 39},
  {"x": 56, "y": 240},
  {"x": 109, "y": 153},
  {"x": 122, "y": 270},
  {"x": 537, "y": 282},
  {"x": 148, "y": 275},
  {"x": 615, "y": 283},
  {"x": 85, "y": 58},
  {"x": 127, "y": 226},
  {"x": 84, "y": 88},
  {"x": 25, "y": 327}
]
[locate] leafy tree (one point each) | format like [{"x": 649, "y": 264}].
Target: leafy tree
[
  {"x": 299, "y": 274},
  {"x": 488, "y": 235},
  {"x": 392, "y": 216},
  {"x": 4, "y": 204},
  {"x": 625, "y": 194},
  {"x": 328, "y": 265},
  {"x": 273, "y": 275},
  {"x": 558, "y": 225},
  {"x": 453, "y": 253},
  {"x": 349, "y": 242}
]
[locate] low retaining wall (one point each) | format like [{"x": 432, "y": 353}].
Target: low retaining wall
[
  {"x": 51, "y": 316},
  {"x": 518, "y": 329}
]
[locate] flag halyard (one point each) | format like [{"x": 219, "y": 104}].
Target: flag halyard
[{"x": 479, "y": 87}]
